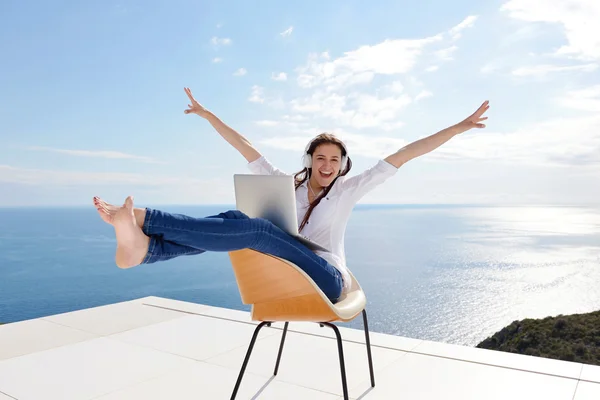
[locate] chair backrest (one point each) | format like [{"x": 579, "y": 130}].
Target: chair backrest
[
  {"x": 278, "y": 290},
  {"x": 262, "y": 277}
]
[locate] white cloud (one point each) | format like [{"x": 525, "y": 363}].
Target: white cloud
[
  {"x": 394, "y": 87},
  {"x": 578, "y": 19},
  {"x": 295, "y": 118},
  {"x": 545, "y": 69},
  {"x": 358, "y": 145},
  {"x": 291, "y": 143},
  {"x": 489, "y": 68},
  {"x": 587, "y": 99},
  {"x": 432, "y": 68},
  {"x": 240, "y": 72},
  {"x": 25, "y": 176},
  {"x": 423, "y": 95},
  {"x": 564, "y": 142},
  {"x": 414, "y": 81},
  {"x": 336, "y": 83},
  {"x": 267, "y": 122},
  {"x": 277, "y": 103},
  {"x": 373, "y": 111},
  {"x": 282, "y": 76},
  {"x": 217, "y": 60},
  {"x": 320, "y": 102},
  {"x": 257, "y": 95},
  {"x": 290, "y": 124},
  {"x": 456, "y": 32},
  {"x": 357, "y": 110},
  {"x": 359, "y": 66},
  {"x": 446, "y": 54},
  {"x": 97, "y": 154},
  {"x": 216, "y": 41},
  {"x": 287, "y": 32},
  {"x": 371, "y": 146},
  {"x": 557, "y": 142}
]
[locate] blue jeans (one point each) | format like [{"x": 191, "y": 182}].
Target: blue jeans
[{"x": 173, "y": 235}]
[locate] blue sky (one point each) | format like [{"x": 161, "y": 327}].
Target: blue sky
[{"x": 92, "y": 96}]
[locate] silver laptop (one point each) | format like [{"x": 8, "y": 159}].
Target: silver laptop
[{"x": 271, "y": 197}]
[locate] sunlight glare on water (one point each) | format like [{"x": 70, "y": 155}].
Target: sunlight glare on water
[{"x": 478, "y": 269}]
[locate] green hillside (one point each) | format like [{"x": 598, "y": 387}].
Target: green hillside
[{"x": 565, "y": 337}]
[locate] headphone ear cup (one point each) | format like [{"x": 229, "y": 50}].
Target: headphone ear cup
[{"x": 307, "y": 160}]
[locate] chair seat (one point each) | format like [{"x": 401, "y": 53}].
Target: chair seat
[
  {"x": 350, "y": 305},
  {"x": 279, "y": 290}
]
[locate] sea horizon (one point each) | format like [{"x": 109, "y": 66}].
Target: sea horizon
[{"x": 359, "y": 205}]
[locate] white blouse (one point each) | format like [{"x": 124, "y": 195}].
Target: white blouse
[{"x": 327, "y": 223}]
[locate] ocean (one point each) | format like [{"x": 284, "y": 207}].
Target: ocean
[{"x": 453, "y": 274}]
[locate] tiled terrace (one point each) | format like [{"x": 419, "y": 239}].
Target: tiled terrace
[{"x": 157, "y": 348}]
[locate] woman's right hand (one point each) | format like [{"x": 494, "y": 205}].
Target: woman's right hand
[
  {"x": 195, "y": 107},
  {"x": 240, "y": 143}
]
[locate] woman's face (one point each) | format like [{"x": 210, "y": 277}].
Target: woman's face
[{"x": 326, "y": 163}]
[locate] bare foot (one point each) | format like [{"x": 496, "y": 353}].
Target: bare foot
[
  {"x": 132, "y": 244},
  {"x": 107, "y": 212}
]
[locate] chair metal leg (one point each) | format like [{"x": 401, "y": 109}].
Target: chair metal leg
[
  {"x": 364, "y": 313},
  {"x": 281, "y": 347},
  {"x": 240, "y": 376},
  {"x": 341, "y": 353}
]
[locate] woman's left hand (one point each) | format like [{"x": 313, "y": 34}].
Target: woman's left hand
[{"x": 474, "y": 120}]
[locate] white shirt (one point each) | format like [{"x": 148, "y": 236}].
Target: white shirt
[{"x": 327, "y": 223}]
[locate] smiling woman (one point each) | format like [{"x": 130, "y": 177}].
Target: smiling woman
[
  {"x": 328, "y": 156},
  {"x": 325, "y": 198}
]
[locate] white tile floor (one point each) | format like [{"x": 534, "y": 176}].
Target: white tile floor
[
  {"x": 36, "y": 335},
  {"x": 193, "y": 336},
  {"x": 207, "y": 381},
  {"x": 155, "y": 348},
  {"x": 84, "y": 370},
  {"x": 490, "y": 357},
  {"x": 429, "y": 377},
  {"x": 309, "y": 362},
  {"x": 113, "y": 318},
  {"x": 587, "y": 391},
  {"x": 590, "y": 373}
]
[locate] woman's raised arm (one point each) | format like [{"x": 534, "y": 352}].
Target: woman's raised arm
[
  {"x": 235, "y": 139},
  {"x": 430, "y": 143}
]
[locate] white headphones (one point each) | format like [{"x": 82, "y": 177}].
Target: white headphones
[{"x": 307, "y": 158}]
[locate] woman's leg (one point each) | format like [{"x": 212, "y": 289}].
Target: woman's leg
[
  {"x": 167, "y": 248},
  {"x": 172, "y": 235},
  {"x": 147, "y": 236}
]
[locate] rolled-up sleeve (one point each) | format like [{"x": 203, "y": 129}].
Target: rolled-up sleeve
[
  {"x": 262, "y": 166},
  {"x": 358, "y": 186}
]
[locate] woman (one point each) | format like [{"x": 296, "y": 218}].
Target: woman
[{"x": 324, "y": 200}]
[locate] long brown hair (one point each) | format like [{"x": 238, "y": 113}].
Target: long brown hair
[{"x": 305, "y": 174}]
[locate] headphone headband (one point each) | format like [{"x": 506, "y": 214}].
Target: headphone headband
[{"x": 307, "y": 158}]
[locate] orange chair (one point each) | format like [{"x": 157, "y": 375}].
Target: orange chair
[{"x": 278, "y": 290}]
